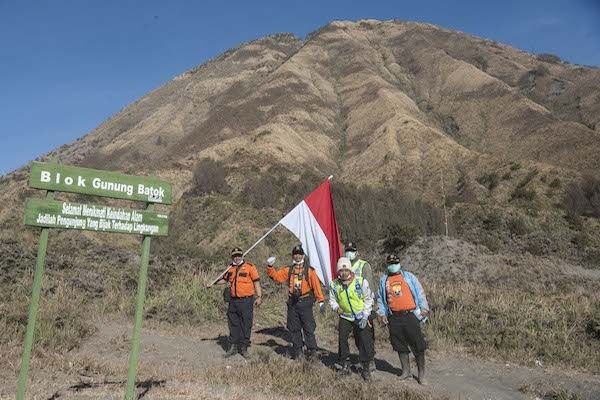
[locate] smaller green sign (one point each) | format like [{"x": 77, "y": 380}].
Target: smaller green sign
[
  {"x": 90, "y": 217},
  {"x": 64, "y": 178}
]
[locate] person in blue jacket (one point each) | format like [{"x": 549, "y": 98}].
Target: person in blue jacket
[{"x": 402, "y": 306}]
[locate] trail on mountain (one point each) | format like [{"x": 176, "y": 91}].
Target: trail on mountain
[{"x": 183, "y": 363}]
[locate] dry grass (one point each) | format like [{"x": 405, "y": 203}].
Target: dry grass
[
  {"x": 511, "y": 324},
  {"x": 283, "y": 377},
  {"x": 550, "y": 392}
]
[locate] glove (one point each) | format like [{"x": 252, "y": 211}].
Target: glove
[
  {"x": 271, "y": 261},
  {"x": 322, "y": 308},
  {"x": 363, "y": 323}
]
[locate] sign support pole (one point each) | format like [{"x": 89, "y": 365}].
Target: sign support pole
[
  {"x": 33, "y": 308},
  {"x": 139, "y": 313}
]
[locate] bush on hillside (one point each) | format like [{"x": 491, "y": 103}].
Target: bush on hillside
[
  {"x": 366, "y": 215},
  {"x": 259, "y": 193},
  {"x": 583, "y": 198},
  {"x": 521, "y": 193},
  {"x": 209, "y": 177},
  {"x": 490, "y": 181},
  {"x": 399, "y": 237},
  {"x": 549, "y": 58}
]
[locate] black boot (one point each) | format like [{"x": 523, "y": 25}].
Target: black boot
[
  {"x": 421, "y": 369},
  {"x": 244, "y": 352},
  {"x": 345, "y": 370},
  {"x": 372, "y": 366},
  {"x": 298, "y": 354},
  {"x": 233, "y": 350},
  {"x": 405, "y": 361},
  {"x": 366, "y": 372},
  {"x": 312, "y": 355}
]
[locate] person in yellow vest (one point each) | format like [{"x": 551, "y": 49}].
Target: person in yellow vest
[
  {"x": 351, "y": 298},
  {"x": 402, "y": 306},
  {"x": 362, "y": 268},
  {"x": 304, "y": 288},
  {"x": 245, "y": 292},
  {"x": 359, "y": 266}
]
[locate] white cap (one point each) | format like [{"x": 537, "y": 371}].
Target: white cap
[{"x": 343, "y": 263}]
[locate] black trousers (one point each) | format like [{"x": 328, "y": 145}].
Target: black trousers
[
  {"x": 357, "y": 339},
  {"x": 239, "y": 317},
  {"x": 363, "y": 337},
  {"x": 405, "y": 333},
  {"x": 301, "y": 320}
]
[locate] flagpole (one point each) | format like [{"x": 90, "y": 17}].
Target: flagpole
[
  {"x": 261, "y": 239},
  {"x": 254, "y": 245},
  {"x": 247, "y": 251}
]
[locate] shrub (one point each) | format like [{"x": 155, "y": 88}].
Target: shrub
[
  {"x": 521, "y": 193},
  {"x": 583, "y": 199},
  {"x": 492, "y": 221},
  {"x": 259, "y": 193},
  {"x": 399, "y": 237},
  {"x": 549, "y": 58},
  {"x": 519, "y": 226},
  {"x": 528, "y": 178},
  {"x": 489, "y": 180},
  {"x": 540, "y": 71},
  {"x": 452, "y": 200},
  {"x": 464, "y": 188},
  {"x": 555, "y": 183},
  {"x": 480, "y": 62},
  {"x": 209, "y": 177},
  {"x": 515, "y": 166}
]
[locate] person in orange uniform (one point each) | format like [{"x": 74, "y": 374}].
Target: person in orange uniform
[
  {"x": 245, "y": 293},
  {"x": 304, "y": 288},
  {"x": 403, "y": 307}
]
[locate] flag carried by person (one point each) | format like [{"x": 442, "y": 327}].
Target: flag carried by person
[{"x": 313, "y": 223}]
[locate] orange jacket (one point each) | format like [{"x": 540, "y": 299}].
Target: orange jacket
[
  {"x": 312, "y": 284},
  {"x": 242, "y": 279},
  {"x": 399, "y": 296}
]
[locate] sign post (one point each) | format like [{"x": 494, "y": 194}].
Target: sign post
[
  {"x": 48, "y": 213},
  {"x": 139, "y": 313},
  {"x": 33, "y": 309}
]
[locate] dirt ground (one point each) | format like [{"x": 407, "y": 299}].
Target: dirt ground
[{"x": 174, "y": 363}]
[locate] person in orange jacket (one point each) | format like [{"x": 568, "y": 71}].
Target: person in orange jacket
[
  {"x": 245, "y": 292},
  {"x": 304, "y": 288}
]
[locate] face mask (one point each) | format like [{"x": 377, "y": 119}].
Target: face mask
[
  {"x": 238, "y": 264},
  {"x": 299, "y": 262},
  {"x": 351, "y": 255},
  {"x": 394, "y": 268}
]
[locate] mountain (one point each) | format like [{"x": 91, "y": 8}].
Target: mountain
[{"x": 430, "y": 112}]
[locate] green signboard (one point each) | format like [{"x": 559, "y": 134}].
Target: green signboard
[
  {"x": 48, "y": 213},
  {"x": 64, "y": 178},
  {"x": 67, "y": 215}
]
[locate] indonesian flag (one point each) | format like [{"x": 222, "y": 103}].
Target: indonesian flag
[{"x": 313, "y": 223}]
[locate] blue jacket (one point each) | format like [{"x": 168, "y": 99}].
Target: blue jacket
[{"x": 415, "y": 288}]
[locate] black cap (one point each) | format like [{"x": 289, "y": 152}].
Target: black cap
[
  {"x": 350, "y": 246},
  {"x": 392, "y": 259},
  {"x": 297, "y": 250},
  {"x": 236, "y": 252}
]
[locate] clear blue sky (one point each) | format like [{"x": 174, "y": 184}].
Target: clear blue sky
[{"x": 68, "y": 65}]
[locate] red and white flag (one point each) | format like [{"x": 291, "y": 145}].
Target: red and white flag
[{"x": 313, "y": 222}]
